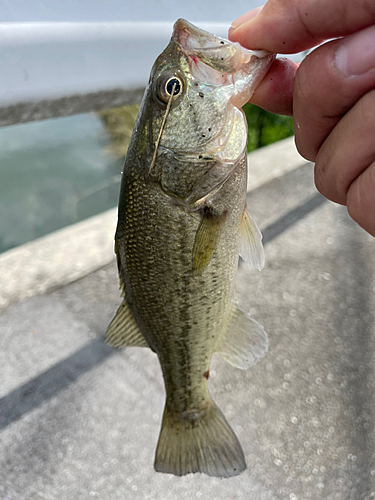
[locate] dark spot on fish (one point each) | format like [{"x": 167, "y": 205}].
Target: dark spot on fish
[
  {"x": 209, "y": 129},
  {"x": 283, "y": 43},
  {"x": 200, "y": 157},
  {"x": 206, "y": 374},
  {"x": 222, "y": 58},
  {"x": 196, "y": 84},
  {"x": 222, "y": 43},
  {"x": 190, "y": 105},
  {"x": 201, "y": 94},
  {"x": 203, "y": 135}
]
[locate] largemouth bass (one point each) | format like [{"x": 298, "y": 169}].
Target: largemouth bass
[{"x": 182, "y": 222}]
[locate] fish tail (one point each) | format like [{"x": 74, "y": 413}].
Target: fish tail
[{"x": 205, "y": 444}]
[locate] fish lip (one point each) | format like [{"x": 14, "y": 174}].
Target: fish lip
[
  {"x": 183, "y": 32},
  {"x": 194, "y": 41}
]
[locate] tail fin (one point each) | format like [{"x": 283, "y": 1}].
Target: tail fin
[{"x": 206, "y": 445}]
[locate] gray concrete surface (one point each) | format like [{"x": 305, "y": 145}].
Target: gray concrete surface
[
  {"x": 57, "y": 258},
  {"x": 80, "y": 420}
]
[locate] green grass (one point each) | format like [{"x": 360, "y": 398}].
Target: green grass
[{"x": 266, "y": 128}]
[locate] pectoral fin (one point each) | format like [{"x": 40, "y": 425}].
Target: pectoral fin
[
  {"x": 245, "y": 342},
  {"x": 123, "y": 331},
  {"x": 206, "y": 240},
  {"x": 251, "y": 247}
]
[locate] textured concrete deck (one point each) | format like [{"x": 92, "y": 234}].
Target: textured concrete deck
[{"x": 80, "y": 420}]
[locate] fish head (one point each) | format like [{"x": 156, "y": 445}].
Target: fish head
[{"x": 211, "y": 78}]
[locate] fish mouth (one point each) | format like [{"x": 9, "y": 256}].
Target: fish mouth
[
  {"x": 216, "y": 61},
  {"x": 190, "y": 36}
]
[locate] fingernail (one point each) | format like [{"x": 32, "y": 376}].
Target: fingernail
[
  {"x": 356, "y": 54},
  {"x": 248, "y": 16}
]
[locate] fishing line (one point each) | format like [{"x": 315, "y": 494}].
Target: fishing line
[{"x": 161, "y": 129}]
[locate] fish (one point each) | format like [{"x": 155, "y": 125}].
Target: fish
[{"x": 182, "y": 224}]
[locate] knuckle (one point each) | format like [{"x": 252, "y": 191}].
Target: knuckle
[
  {"x": 312, "y": 99},
  {"x": 353, "y": 204},
  {"x": 304, "y": 88},
  {"x": 302, "y": 97},
  {"x": 300, "y": 9},
  {"x": 328, "y": 183},
  {"x": 366, "y": 109},
  {"x": 320, "y": 181},
  {"x": 360, "y": 199},
  {"x": 369, "y": 8},
  {"x": 306, "y": 148}
]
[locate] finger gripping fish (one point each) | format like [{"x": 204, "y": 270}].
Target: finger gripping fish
[{"x": 182, "y": 222}]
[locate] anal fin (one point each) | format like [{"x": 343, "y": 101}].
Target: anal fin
[
  {"x": 245, "y": 342},
  {"x": 123, "y": 331}
]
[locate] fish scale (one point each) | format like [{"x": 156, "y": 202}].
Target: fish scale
[{"x": 160, "y": 301}]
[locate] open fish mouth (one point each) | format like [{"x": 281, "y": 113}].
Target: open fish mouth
[{"x": 217, "y": 61}]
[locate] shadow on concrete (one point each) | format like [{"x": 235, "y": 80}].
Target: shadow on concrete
[
  {"x": 46, "y": 385},
  {"x": 290, "y": 218}
]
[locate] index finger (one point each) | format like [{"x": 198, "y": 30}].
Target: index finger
[{"x": 289, "y": 26}]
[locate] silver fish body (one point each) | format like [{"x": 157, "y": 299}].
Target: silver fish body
[{"x": 182, "y": 221}]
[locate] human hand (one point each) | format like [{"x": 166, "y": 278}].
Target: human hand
[{"x": 331, "y": 94}]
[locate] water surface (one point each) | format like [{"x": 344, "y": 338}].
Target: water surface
[{"x": 54, "y": 173}]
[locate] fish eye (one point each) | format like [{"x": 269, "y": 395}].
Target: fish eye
[{"x": 166, "y": 88}]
